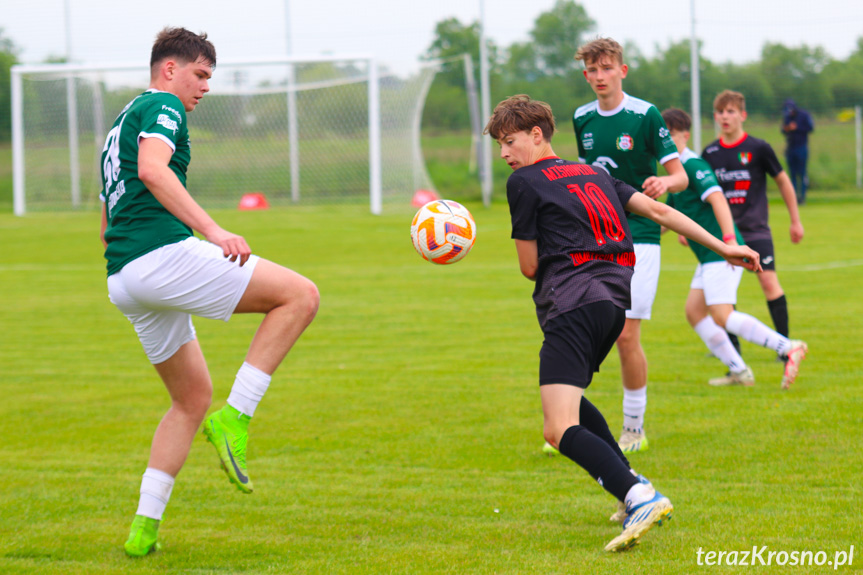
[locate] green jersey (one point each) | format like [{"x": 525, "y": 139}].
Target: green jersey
[
  {"x": 137, "y": 222},
  {"x": 693, "y": 202},
  {"x": 627, "y": 142}
]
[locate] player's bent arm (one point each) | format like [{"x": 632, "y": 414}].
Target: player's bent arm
[
  {"x": 786, "y": 189},
  {"x": 528, "y": 258},
  {"x": 153, "y": 170},
  {"x": 680, "y": 223},
  {"x": 675, "y": 181},
  {"x": 723, "y": 215}
]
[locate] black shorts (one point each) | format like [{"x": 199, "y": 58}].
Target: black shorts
[
  {"x": 577, "y": 342},
  {"x": 765, "y": 250}
]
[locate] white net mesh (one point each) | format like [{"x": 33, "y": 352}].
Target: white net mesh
[{"x": 240, "y": 133}]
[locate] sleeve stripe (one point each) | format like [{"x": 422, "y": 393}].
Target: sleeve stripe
[
  {"x": 162, "y": 137},
  {"x": 669, "y": 157},
  {"x": 709, "y": 191}
]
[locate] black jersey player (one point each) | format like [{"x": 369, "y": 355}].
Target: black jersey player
[{"x": 572, "y": 239}]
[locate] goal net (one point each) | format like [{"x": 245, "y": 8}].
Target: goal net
[{"x": 333, "y": 129}]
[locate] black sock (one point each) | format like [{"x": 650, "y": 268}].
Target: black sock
[
  {"x": 592, "y": 419},
  {"x": 779, "y": 312},
  {"x": 735, "y": 342},
  {"x": 598, "y": 459}
]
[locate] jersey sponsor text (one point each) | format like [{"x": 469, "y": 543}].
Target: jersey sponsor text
[
  {"x": 168, "y": 123},
  {"x": 568, "y": 171},
  {"x": 625, "y": 259}
]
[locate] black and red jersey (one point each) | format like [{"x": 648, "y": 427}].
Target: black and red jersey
[
  {"x": 741, "y": 169},
  {"x": 575, "y": 212}
]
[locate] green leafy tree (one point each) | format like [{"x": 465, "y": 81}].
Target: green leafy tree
[
  {"x": 451, "y": 41},
  {"x": 447, "y": 103},
  {"x": 795, "y": 73},
  {"x": 8, "y": 58},
  {"x": 750, "y": 80},
  {"x": 521, "y": 63},
  {"x": 664, "y": 80},
  {"x": 557, "y": 35},
  {"x": 845, "y": 79}
]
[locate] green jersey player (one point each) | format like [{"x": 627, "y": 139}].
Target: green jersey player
[
  {"x": 159, "y": 275},
  {"x": 713, "y": 291},
  {"x": 628, "y": 138}
]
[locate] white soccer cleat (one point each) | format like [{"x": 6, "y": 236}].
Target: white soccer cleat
[
  {"x": 796, "y": 355},
  {"x": 743, "y": 377},
  {"x": 619, "y": 516},
  {"x": 639, "y": 520},
  {"x": 632, "y": 441}
]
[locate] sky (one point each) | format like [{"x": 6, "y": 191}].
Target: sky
[{"x": 397, "y": 32}]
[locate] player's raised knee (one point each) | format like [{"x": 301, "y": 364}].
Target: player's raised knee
[{"x": 307, "y": 298}]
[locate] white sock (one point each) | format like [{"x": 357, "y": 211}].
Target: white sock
[
  {"x": 638, "y": 493},
  {"x": 752, "y": 330},
  {"x": 719, "y": 344},
  {"x": 634, "y": 406},
  {"x": 249, "y": 387},
  {"x": 156, "y": 489}
]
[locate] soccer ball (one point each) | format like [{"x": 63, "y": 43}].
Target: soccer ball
[{"x": 443, "y": 232}]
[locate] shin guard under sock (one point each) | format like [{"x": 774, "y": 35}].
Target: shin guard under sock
[{"x": 598, "y": 459}]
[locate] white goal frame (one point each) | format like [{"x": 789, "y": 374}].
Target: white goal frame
[{"x": 69, "y": 70}]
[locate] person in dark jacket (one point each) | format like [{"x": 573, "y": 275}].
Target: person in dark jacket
[{"x": 796, "y": 125}]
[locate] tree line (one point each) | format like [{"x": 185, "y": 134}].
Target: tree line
[{"x": 545, "y": 68}]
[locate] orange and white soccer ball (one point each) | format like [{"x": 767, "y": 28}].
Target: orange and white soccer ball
[{"x": 443, "y": 231}]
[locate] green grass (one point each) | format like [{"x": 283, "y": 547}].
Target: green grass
[{"x": 403, "y": 433}]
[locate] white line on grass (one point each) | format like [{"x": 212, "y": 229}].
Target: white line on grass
[{"x": 803, "y": 268}]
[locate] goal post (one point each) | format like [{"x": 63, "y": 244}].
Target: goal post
[{"x": 337, "y": 129}]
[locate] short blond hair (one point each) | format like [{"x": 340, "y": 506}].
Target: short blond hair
[
  {"x": 599, "y": 47},
  {"x": 727, "y": 98}
]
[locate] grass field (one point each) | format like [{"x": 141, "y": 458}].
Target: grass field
[{"x": 403, "y": 433}]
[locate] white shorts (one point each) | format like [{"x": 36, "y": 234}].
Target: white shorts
[
  {"x": 645, "y": 279},
  {"x": 719, "y": 280},
  {"x": 161, "y": 290}
]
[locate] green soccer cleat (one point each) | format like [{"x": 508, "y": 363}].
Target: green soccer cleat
[
  {"x": 142, "y": 537},
  {"x": 227, "y": 430},
  {"x": 632, "y": 441},
  {"x": 549, "y": 449}
]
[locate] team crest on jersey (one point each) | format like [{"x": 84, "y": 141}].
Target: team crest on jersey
[
  {"x": 663, "y": 132},
  {"x": 745, "y": 157},
  {"x": 625, "y": 142},
  {"x": 587, "y": 140}
]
